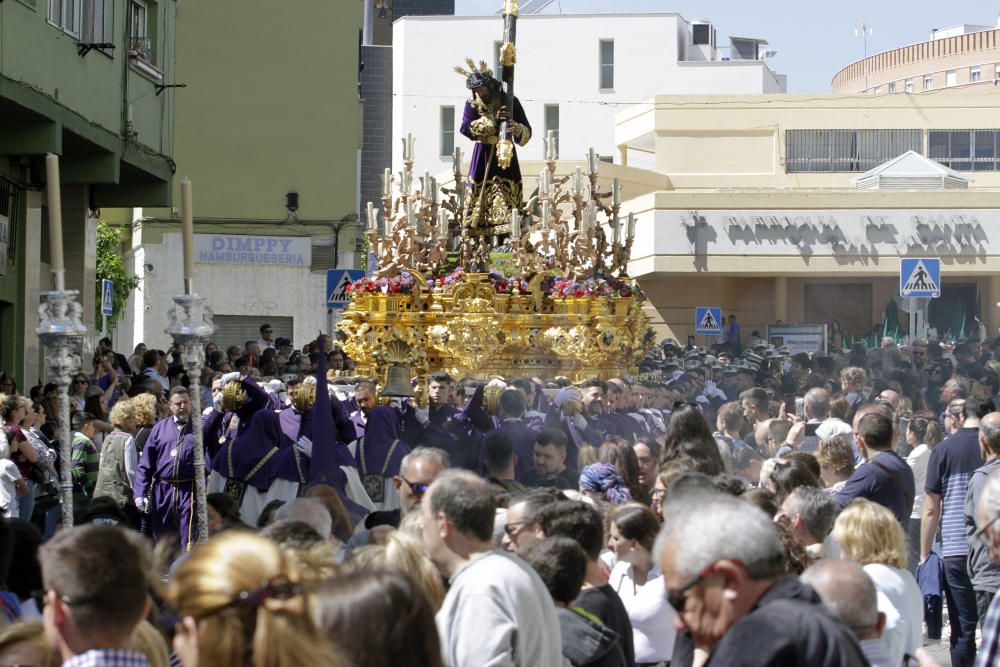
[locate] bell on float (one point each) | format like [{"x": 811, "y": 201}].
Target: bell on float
[{"x": 397, "y": 382}]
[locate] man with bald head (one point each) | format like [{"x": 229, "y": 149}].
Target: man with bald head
[
  {"x": 817, "y": 410},
  {"x": 849, "y": 593}
]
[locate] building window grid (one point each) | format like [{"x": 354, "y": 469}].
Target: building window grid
[
  {"x": 892, "y": 86},
  {"x": 607, "y": 68},
  {"x": 141, "y": 42},
  {"x": 975, "y": 74},
  {"x": 98, "y": 21},
  {"x": 909, "y": 85},
  {"x": 65, "y": 15},
  {"x": 965, "y": 150},
  {"x": 447, "y": 130},
  {"x": 832, "y": 151},
  {"x": 928, "y": 81}
]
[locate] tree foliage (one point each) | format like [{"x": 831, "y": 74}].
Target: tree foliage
[{"x": 111, "y": 266}]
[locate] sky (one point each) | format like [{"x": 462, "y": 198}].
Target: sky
[{"x": 815, "y": 39}]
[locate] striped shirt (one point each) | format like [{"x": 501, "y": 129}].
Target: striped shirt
[
  {"x": 86, "y": 465},
  {"x": 949, "y": 470}
]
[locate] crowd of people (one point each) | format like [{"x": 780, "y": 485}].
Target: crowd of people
[{"x": 739, "y": 506}]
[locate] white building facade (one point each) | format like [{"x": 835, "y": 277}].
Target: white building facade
[{"x": 574, "y": 72}]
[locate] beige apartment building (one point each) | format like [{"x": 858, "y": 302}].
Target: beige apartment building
[
  {"x": 796, "y": 208},
  {"x": 964, "y": 58}
]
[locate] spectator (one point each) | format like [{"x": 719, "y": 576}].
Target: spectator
[
  {"x": 519, "y": 530},
  {"x": 949, "y": 469},
  {"x": 378, "y": 619},
  {"x": 923, "y": 435},
  {"x": 551, "y": 468},
  {"x": 402, "y": 553},
  {"x": 988, "y": 533},
  {"x": 983, "y": 572},
  {"x": 86, "y": 460},
  {"x": 417, "y": 471},
  {"x": 586, "y": 642},
  {"x": 811, "y": 513},
  {"x": 601, "y": 481},
  {"x": 492, "y": 614},
  {"x": 311, "y": 554},
  {"x": 582, "y": 523},
  {"x": 836, "y": 462},
  {"x": 849, "y": 594},
  {"x": 240, "y": 602},
  {"x": 637, "y": 580},
  {"x": 25, "y": 644},
  {"x": 868, "y": 534},
  {"x": 96, "y": 580},
  {"x": 119, "y": 459},
  {"x": 723, "y": 571},
  {"x": 884, "y": 477}
]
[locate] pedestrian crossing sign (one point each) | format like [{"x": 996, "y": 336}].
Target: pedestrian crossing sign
[
  {"x": 920, "y": 277},
  {"x": 338, "y": 283},
  {"x": 708, "y": 321}
]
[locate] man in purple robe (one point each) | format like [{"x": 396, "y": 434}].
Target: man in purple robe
[
  {"x": 512, "y": 407},
  {"x": 493, "y": 190},
  {"x": 164, "y": 480}
]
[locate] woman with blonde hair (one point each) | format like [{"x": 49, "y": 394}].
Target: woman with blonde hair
[
  {"x": 401, "y": 553},
  {"x": 147, "y": 640},
  {"x": 240, "y": 603},
  {"x": 25, "y": 644},
  {"x": 869, "y": 534},
  {"x": 119, "y": 459},
  {"x": 836, "y": 462}
]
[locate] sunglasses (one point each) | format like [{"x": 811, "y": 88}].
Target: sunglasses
[
  {"x": 417, "y": 489},
  {"x": 511, "y": 528},
  {"x": 677, "y": 598}
]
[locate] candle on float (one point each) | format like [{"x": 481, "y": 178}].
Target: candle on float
[
  {"x": 187, "y": 224},
  {"x": 550, "y": 145},
  {"x": 55, "y": 219},
  {"x": 434, "y": 190},
  {"x": 630, "y": 230},
  {"x": 589, "y": 216},
  {"x": 515, "y": 224},
  {"x": 616, "y": 192},
  {"x": 546, "y": 213},
  {"x": 543, "y": 182},
  {"x": 409, "y": 213},
  {"x": 578, "y": 182},
  {"x": 592, "y": 160},
  {"x": 456, "y": 160},
  {"x": 616, "y": 231},
  {"x": 387, "y": 183},
  {"x": 408, "y": 147},
  {"x": 372, "y": 218},
  {"x": 442, "y": 222}
]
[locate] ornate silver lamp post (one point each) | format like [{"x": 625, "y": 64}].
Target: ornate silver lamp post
[
  {"x": 191, "y": 327},
  {"x": 61, "y": 331}
]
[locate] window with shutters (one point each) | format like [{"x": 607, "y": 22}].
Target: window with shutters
[
  {"x": 829, "y": 151},
  {"x": 607, "y": 73},
  {"x": 447, "y": 130}
]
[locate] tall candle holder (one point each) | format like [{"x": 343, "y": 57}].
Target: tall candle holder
[
  {"x": 191, "y": 327},
  {"x": 61, "y": 331}
]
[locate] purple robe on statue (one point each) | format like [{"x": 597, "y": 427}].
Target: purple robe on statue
[
  {"x": 165, "y": 476},
  {"x": 489, "y": 212}
]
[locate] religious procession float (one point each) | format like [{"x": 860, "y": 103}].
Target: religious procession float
[{"x": 478, "y": 280}]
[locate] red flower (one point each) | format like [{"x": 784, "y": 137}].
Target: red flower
[{"x": 579, "y": 293}]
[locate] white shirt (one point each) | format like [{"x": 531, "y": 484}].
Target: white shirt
[
  {"x": 265, "y": 344},
  {"x": 9, "y": 474},
  {"x": 903, "y": 593},
  {"x": 917, "y": 460},
  {"x": 651, "y": 615},
  {"x": 497, "y": 613}
]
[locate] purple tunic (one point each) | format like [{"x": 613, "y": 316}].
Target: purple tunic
[
  {"x": 524, "y": 444},
  {"x": 165, "y": 475},
  {"x": 384, "y": 426}
]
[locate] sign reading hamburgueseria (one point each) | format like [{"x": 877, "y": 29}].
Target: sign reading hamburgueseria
[{"x": 232, "y": 249}]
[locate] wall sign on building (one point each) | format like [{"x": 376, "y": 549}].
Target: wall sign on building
[
  {"x": 265, "y": 250},
  {"x": 798, "y": 337}
]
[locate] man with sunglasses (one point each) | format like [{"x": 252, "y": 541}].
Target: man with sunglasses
[
  {"x": 96, "y": 579},
  {"x": 724, "y": 574},
  {"x": 417, "y": 471}
]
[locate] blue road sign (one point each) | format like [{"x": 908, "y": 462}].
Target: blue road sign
[
  {"x": 107, "y": 303},
  {"x": 708, "y": 321},
  {"x": 337, "y": 283},
  {"x": 920, "y": 277}
]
